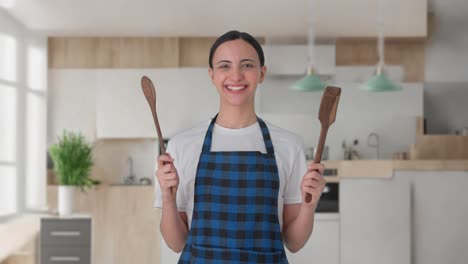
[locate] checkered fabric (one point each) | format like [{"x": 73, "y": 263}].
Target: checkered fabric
[{"x": 235, "y": 215}]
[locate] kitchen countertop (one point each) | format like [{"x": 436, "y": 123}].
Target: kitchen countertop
[{"x": 386, "y": 168}]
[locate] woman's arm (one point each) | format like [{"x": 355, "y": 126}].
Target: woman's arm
[
  {"x": 298, "y": 219},
  {"x": 174, "y": 227}
]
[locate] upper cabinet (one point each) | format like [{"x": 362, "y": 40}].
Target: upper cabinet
[
  {"x": 113, "y": 52},
  {"x": 184, "y": 98}
]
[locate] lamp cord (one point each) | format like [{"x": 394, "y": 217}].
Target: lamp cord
[
  {"x": 311, "y": 35},
  {"x": 380, "y": 22}
]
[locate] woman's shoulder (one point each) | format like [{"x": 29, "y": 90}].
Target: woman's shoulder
[
  {"x": 282, "y": 136},
  {"x": 191, "y": 135}
]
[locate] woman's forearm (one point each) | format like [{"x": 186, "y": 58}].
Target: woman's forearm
[
  {"x": 298, "y": 231},
  {"x": 173, "y": 229}
]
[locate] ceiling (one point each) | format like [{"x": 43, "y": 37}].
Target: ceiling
[{"x": 333, "y": 18}]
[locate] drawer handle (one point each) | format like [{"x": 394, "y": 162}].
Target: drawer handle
[
  {"x": 70, "y": 259},
  {"x": 65, "y": 233}
]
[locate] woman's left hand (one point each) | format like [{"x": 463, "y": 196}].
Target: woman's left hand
[{"x": 313, "y": 184}]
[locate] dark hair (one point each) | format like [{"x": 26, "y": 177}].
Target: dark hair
[{"x": 233, "y": 35}]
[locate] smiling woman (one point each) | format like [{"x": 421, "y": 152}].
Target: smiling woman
[{"x": 239, "y": 180}]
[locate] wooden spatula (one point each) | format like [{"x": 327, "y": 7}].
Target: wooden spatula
[
  {"x": 326, "y": 115},
  {"x": 150, "y": 94}
]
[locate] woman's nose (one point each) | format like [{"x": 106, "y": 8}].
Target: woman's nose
[{"x": 236, "y": 74}]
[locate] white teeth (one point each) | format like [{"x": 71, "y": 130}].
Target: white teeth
[{"x": 235, "y": 88}]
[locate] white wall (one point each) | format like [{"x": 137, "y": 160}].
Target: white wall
[
  {"x": 446, "y": 68},
  {"x": 447, "y": 49}
]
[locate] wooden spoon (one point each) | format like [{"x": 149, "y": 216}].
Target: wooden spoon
[
  {"x": 326, "y": 115},
  {"x": 150, "y": 94}
]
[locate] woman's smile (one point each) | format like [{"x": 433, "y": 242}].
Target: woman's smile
[{"x": 235, "y": 89}]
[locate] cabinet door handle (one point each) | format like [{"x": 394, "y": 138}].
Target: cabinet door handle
[
  {"x": 60, "y": 258},
  {"x": 65, "y": 233}
]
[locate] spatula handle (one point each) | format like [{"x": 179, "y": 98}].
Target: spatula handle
[
  {"x": 318, "y": 154},
  {"x": 321, "y": 144}
]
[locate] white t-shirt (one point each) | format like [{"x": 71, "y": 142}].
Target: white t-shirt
[{"x": 185, "y": 148}]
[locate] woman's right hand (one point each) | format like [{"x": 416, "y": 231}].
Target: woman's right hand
[{"x": 167, "y": 177}]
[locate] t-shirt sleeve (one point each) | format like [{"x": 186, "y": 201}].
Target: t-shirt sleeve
[
  {"x": 292, "y": 192},
  {"x": 181, "y": 196}
]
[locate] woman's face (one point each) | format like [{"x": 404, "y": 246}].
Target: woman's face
[{"x": 236, "y": 72}]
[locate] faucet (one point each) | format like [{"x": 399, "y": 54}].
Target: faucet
[
  {"x": 130, "y": 179},
  {"x": 373, "y": 142}
]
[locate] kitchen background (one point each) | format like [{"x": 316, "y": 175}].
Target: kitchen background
[{"x": 77, "y": 76}]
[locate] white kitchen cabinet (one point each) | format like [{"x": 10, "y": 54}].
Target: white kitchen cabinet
[
  {"x": 324, "y": 244},
  {"x": 184, "y": 97},
  {"x": 71, "y": 102},
  {"x": 375, "y": 221},
  {"x": 439, "y": 216}
]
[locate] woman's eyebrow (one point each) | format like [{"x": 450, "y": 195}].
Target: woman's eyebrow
[
  {"x": 223, "y": 61},
  {"x": 248, "y": 60}
]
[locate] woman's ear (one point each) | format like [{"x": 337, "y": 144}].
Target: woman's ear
[
  {"x": 262, "y": 74},
  {"x": 210, "y": 72}
]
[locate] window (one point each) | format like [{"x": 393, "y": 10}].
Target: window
[
  {"x": 23, "y": 93},
  {"x": 8, "y": 129}
]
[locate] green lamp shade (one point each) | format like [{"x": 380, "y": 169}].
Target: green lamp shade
[
  {"x": 310, "y": 83},
  {"x": 380, "y": 83}
]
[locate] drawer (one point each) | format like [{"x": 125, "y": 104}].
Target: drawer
[
  {"x": 65, "y": 232},
  {"x": 65, "y": 255}
]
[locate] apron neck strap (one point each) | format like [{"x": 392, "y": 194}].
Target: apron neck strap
[{"x": 263, "y": 127}]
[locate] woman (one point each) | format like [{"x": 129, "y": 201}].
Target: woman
[{"x": 233, "y": 188}]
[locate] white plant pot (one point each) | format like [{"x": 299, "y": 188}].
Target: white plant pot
[{"x": 65, "y": 200}]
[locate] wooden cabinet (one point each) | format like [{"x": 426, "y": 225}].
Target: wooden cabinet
[
  {"x": 65, "y": 240},
  {"x": 113, "y": 52},
  {"x": 126, "y": 225}
]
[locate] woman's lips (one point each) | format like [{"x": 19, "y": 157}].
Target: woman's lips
[{"x": 235, "y": 88}]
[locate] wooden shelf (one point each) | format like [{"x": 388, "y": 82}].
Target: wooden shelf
[{"x": 438, "y": 147}]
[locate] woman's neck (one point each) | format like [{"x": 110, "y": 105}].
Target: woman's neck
[{"x": 235, "y": 117}]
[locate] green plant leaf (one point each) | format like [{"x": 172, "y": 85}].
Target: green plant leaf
[{"x": 73, "y": 160}]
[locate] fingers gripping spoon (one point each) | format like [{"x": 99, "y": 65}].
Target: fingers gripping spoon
[
  {"x": 150, "y": 93},
  {"x": 326, "y": 115}
]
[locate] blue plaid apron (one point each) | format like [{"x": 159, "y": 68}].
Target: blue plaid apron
[{"x": 235, "y": 215}]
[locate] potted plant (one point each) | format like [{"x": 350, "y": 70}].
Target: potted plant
[{"x": 72, "y": 158}]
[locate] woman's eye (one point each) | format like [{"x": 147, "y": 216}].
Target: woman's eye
[
  {"x": 224, "y": 66},
  {"x": 248, "y": 65}
]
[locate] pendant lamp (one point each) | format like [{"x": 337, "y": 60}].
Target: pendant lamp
[
  {"x": 311, "y": 82},
  {"x": 380, "y": 82}
]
